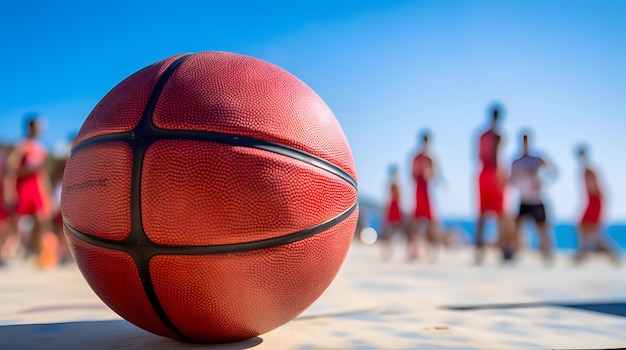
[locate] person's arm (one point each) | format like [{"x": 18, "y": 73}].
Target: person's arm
[
  {"x": 431, "y": 172},
  {"x": 10, "y": 176},
  {"x": 513, "y": 174},
  {"x": 496, "y": 149},
  {"x": 549, "y": 170},
  {"x": 415, "y": 170},
  {"x": 437, "y": 176},
  {"x": 591, "y": 182}
]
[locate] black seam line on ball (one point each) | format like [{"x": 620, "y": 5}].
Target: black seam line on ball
[
  {"x": 137, "y": 236},
  {"x": 250, "y": 142},
  {"x": 151, "y": 249},
  {"x": 156, "y": 134}
]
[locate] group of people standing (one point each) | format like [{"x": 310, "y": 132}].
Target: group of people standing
[
  {"x": 525, "y": 175},
  {"x": 27, "y": 191}
]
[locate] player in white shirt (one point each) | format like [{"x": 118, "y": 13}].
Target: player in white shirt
[{"x": 525, "y": 176}]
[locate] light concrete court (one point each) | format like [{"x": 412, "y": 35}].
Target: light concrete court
[{"x": 372, "y": 304}]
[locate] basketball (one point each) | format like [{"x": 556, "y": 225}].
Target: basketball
[{"x": 210, "y": 197}]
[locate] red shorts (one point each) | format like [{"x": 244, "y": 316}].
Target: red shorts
[
  {"x": 422, "y": 204},
  {"x": 393, "y": 213},
  {"x": 491, "y": 193},
  {"x": 31, "y": 197},
  {"x": 594, "y": 210}
]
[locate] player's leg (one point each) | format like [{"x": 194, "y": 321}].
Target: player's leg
[
  {"x": 433, "y": 238},
  {"x": 414, "y": 234},
  {"x": 386, "y": 239},
  {"x": 11, "y": 244},
  {"x": 4, "y": 236},
  {"x": 608, "y": 246},
  {"x": 48, "y": 242},
  {"x": 43, "y": 237},
  {"x": 545, "y": 241},
  {"x": 585, "y": 235},
  {"x": 479, "y": 241},
  {"x": 511, "y": 239}
]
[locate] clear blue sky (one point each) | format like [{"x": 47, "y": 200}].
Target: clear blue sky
[{"x": 386, "y": 68}]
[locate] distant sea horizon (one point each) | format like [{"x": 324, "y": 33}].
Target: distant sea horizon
[{"x": 564, "y": 233}]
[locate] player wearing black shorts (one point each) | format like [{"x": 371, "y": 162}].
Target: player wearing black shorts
[{"x": 525, "y": 177}]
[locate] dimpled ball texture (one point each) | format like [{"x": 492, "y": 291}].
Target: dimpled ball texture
[{"x": 210, "y": 197}]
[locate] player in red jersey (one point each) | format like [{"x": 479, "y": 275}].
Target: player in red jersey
[
  {"x": 393, "y": 213},
  {"x": 29, "y": 192},
  {"x": 423, "y": 173},
  {"x": 589, "y": 228},
  {"x": 491, "y": 183}
]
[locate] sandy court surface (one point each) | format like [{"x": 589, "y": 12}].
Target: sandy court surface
[{"x": 372, "y": 304}]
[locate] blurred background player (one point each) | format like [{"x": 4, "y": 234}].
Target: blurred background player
[
  {"x": 62, "y": 154},
  {"x": 392, "y": 214},
  {"x": 525, "y": 176},
  {"x": 28, "y": 191},
  {"x": 590, "y": 235},
  {"x": 491, "y": 182},
  {"x": 9, "y": 238},
  {"x": 423, "y": 219}
]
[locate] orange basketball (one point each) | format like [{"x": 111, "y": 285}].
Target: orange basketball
[{"x": 210, "y": 197}]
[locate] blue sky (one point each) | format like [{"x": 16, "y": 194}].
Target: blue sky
[{"x": 386, "y": 68}]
